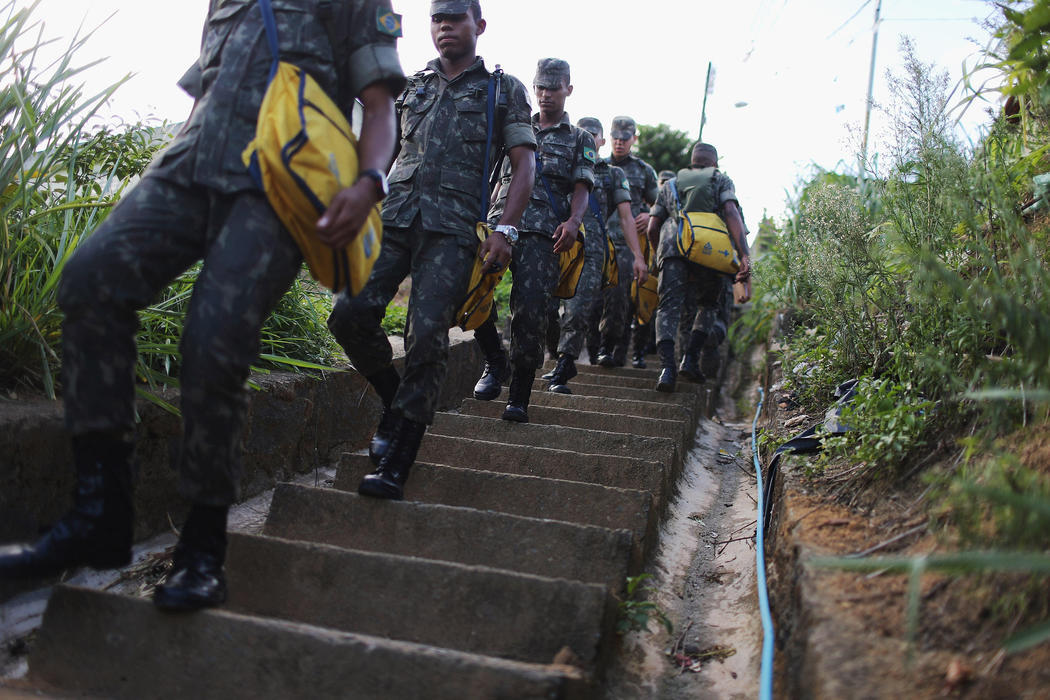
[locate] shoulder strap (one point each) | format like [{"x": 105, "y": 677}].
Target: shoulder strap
[
  {"x": 547, "y": 188},
  {"x": 597, "y": 211},
  {"x": 495, "y": 85},
  {"x": 271, "y": 34}
]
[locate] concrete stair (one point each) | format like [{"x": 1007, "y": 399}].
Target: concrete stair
[{"x": 509, "y": 549}]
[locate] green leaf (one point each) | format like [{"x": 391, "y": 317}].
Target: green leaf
[{"x": 1027, "y": 638}]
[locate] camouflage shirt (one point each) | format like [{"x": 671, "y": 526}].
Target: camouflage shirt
[
  {"x": 611, "y": 189},
  {"x": 699, "y": 189},
  {"x": 644, "y": 189},
  {"x": 444, "y": 125},
  {"x": 566, "y": 155},
  {"x": 232, "y": 72}
]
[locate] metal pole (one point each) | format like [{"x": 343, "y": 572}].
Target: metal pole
[
  {"x": 703, "y": 110},
  {"x": 871, "y": 88}
]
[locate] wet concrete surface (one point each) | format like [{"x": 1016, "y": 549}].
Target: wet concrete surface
[{"x": 703, "y": 580}]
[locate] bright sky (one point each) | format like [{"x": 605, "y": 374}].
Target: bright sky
[{"x": 801, "y": 66}]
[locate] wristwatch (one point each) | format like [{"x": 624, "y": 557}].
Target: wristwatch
[
  {"x": 379, "y": 178},
  {"x": 509, "y": 232}
]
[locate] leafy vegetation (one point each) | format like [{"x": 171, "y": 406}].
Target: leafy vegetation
[
  {"x": 662, "y": 147},
  {"x": 636, "y": 611},
  {"x": 928, "y": 281},
  {"x": 60, "y": 173}
]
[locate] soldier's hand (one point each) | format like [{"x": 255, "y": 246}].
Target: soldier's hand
[
  {"x": 641, "y": 222},
  {"x": 495, "y": 253},
  {"x": 744, "y": 274},
  {"x": 565, "y": 236},
  {"x": 346, "y": 215},
  {"x": 641, "y": 270}
]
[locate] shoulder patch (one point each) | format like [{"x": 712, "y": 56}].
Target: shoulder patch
[
  {"x": 626, "y": 184},
  {"x": 388, "y": 22},
  {"x": 589, "y": 154}
]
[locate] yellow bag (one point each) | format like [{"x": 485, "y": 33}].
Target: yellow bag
[
  {"x": 304, "y": 152},
  {"x": 570, "y": 267},
  {"x": 610, "y": 266},
  {"x": 703, "y": 238},
  {"x": 478, "y": 305},
  {"x": 645, "y": 298}
]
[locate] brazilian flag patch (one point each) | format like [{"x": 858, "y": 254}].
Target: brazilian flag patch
[
  {"x": 589, "y": 154},
  {"x": 627, "y": 184},
  {"x": 388, "y": 22}
]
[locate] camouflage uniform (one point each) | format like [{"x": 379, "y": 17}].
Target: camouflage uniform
[
  {"x": 616, "y": 318},
  {"x": 198, "y": 202},
  {"x": 610, "y": 189},
  {"x": 565, "y": 156},
  {"x": 680, "y": 280},
  {"x": 429, "y": 219}
]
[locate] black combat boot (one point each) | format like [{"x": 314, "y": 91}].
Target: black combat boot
[
  {"x": 605, "y": 355},
  {"x": 386, "y": 383},
  {"x": 518, "y": 401},
  {"x": 619, "y": 356},
  {"x": 638, "y": 361},
  {"x": 561, "y": 375},
  {"x": 98, "y": 531},
  {"x": 690, "y": 367},
  {"x": 668, "y": 374},
  {"x": 497, "y": 366},
  {"x": 388, "y": 480},
  {"x": 592, "y": 354},
  {"x": 197, "y": 579}
]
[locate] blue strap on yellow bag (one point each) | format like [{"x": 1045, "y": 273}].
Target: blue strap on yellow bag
[
  {"x": 703, "y": 238},
  {"x": 570, "y": 262},
  {"x": 303, "y": 154},
  {"x": 477, "y": 306},
  {"x": 610, "y": 265}
]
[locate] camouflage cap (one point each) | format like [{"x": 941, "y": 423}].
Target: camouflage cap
[
  {"x": 665, "y": 175},
  {"x": 452, "y": 7},
  {"x": 551, "y": 71},
  {"x": 623, "y": 128},
  {"x": 591, "y": 125},
  {"x": 701, "y": 147}
]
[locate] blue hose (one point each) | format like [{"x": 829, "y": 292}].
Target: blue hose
[{"x": 765, "y": 689}]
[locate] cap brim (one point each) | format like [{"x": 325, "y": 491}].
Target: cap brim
[{"x": 622, "y": 135}]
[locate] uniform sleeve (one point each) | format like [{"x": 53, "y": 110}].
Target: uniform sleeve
[
  {"x": 621, "y": 187},
  {"x": 586, "y": 157},
  {"x": 726, "y": 189},
  {"x": 664, "y": 204},
  {"x": 652, "y": 187},
  {"x": 517, "y": 125},
  {"x": 371, "y": 50}
]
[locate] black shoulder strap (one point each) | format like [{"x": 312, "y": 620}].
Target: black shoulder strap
[{"x": 494, "y": 88}]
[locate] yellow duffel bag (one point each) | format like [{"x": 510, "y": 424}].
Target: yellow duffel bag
[
  {"x": 570, "y": 267},
  {"x": 477, "y": 306}
]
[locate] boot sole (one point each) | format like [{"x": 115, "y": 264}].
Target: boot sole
[
  {"x": 176, "y": 603},
  {"x": 665, "y": 388},
  {"x": 374, "y": 489}
]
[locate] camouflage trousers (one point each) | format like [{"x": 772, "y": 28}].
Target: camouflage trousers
[
  {"x": 580, "y": 309},
  {"x": 534, "y": 267},
  {"x": 153, "y": 234},
  {"x": 440, "y": 265},
  {"x": 687, "y": 286},
  {"x": 617, "y": 313}
]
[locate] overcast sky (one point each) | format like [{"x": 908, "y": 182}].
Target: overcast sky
[{"x": 799, "y": 68}]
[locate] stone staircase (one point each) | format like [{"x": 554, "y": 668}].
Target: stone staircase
[{"x": 506, "y": 555}]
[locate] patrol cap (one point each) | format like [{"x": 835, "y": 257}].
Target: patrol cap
[
  {"x": 551, "y": 71},
  {"x": 453, "y": 7},
  {"x": 701, "y": 147},
  {"x": 623, "y": 128},
  {"x": 591, "y": 125},
  {"x": 665, "y": 175}
]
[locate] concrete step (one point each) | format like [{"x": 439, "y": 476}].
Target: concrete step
[
  {"x": 622, "y": 382},
  {"x": 467, "y": 608},
  {"x": 622, "y": 472},
  {"x": 588, "y": 420},
  {"x": 652, "y": 371},
  {"x": 553, "y": 499},
  {"x": 580, "y": 387},
  {"x": 598, "y": 442},
  {"x": 101, "y": 644},
  {"x": 469, "y": 536},
  {"x": 650, "y": 409}
]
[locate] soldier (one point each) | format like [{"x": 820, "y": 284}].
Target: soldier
[
  {"x": 199, "y": 202},
  {"x": 701, "y": 188},
  {"x": 429, "y": 221},
  {"x": 611, "y": 190},
  {"x": 616, "y": 318},
  {"x": 564, "y": 177}
]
